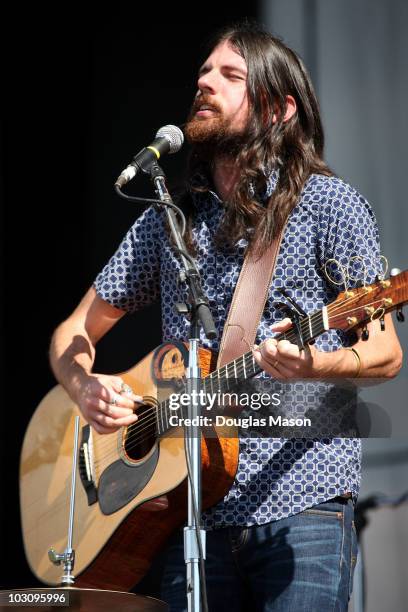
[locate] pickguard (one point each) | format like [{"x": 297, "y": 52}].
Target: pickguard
[{"x": 121, "y": 482}]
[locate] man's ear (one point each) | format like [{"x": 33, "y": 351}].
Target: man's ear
[{"x": 291, "y": 109}]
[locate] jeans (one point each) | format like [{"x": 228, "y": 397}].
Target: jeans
[{"x": 302, "y": 563}]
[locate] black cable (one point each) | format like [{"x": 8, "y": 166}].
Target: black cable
[
  {"x": 186, "y": 255},
  {"x": 376, "y": 500},
  {"x": 177, "y": 210},
  {"x": 203, "y": 586}
]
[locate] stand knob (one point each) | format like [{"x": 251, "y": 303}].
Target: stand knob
[
  {"x": 67, "y": 558},
  {"x": 181, "y": 308},
  {"x": 57, "y": 559}
]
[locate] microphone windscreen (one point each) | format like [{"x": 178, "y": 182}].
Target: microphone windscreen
[{"x": 173, "y": 135}]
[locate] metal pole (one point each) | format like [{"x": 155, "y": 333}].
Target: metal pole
[
  {"x": 193, "y": 444},
  {"x": 68, "y": 556}
]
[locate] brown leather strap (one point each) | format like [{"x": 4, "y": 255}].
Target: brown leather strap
[{"x": 247, "y": 304}]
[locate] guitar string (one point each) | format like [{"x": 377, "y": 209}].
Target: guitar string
[
  {"x": 62, "y": 503},
  {"x": 335, "y": 313},
  {"x": 152, "y": 415},
  {"x": 304, "y": 324},
  {"x": 139, "y": 434},
  {"x": 151, "y": 419},
  {"x": 136, "y": 435},
  {"x": 239, "y": 368}
]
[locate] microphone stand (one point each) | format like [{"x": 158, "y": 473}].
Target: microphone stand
[{"x": 199, "y": 313}]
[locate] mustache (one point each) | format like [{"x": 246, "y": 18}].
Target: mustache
[{"x": 208, "y": 101}]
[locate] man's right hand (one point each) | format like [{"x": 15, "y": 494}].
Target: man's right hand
[{"x": 107, "y": 403}]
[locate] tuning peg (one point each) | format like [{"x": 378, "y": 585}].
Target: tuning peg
[
  {"x": 365, "y": 335},
  {"x": 400, "y": 315},
  {"x": 395, "y": 271},
  {"x": 382, "y": 323}
]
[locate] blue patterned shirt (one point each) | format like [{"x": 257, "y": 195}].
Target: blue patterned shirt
[{"x": 332, "y": 229}]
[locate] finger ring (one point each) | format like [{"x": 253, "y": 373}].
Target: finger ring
[
  {"x": 113, "y": 402},
  {"x": 276, "y": 364}
]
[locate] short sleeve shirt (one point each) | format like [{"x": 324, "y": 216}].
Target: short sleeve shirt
[{"x": 331, "y": 236}]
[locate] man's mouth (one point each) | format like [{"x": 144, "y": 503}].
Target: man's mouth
[{"x": 205, "y": 110}]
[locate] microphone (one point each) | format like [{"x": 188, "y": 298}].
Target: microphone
[{"x": 168, "y": 139}]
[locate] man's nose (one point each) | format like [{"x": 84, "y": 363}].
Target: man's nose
[{"x": 207, "y": 83}]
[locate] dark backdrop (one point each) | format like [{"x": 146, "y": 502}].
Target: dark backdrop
[{"x": 80, "y": 98}]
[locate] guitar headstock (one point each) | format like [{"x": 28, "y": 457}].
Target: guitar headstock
[{"x": 357, "y": 307}]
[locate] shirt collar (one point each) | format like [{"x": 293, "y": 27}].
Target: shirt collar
[{"x": 203, "y": 192}]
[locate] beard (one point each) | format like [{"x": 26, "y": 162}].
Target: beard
[{"x": 213, "y": 136}]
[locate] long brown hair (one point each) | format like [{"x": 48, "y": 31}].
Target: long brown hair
[{"x": 294, "y": 147}]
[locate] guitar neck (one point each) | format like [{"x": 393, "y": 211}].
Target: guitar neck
[
  {"x": 225, "y": 378},
  {"x": 245, "y": 366},
  {"x": 351, "y": 308}
]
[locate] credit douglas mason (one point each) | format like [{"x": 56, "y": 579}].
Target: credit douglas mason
[
  {"x": 244, "y": 422},
  {"x": 271, "y": 421}
]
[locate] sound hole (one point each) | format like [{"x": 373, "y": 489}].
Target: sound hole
[{"x": 141, "y": 436}]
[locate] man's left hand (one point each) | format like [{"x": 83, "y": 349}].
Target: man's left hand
[{"x": 283, "y": 360}]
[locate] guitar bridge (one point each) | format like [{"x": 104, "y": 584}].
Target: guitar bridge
[{"x": 86, "y": 465}]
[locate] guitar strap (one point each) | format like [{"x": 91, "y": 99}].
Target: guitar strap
[{"x": 248, "y": 303}]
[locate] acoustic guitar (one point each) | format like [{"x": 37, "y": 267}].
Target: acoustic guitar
[{"x": 115, "y": 538}]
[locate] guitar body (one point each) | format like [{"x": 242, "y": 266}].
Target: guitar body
[{"x": 114, "y": 538}]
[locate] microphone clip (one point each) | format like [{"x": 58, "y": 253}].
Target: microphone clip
[{"x": 156, "y": 171}]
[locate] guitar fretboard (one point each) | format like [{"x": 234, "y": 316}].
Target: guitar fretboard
[{"x": 226, "y": 378}]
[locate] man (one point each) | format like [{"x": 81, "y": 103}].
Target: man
[{"x": 283, "y": 536}]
